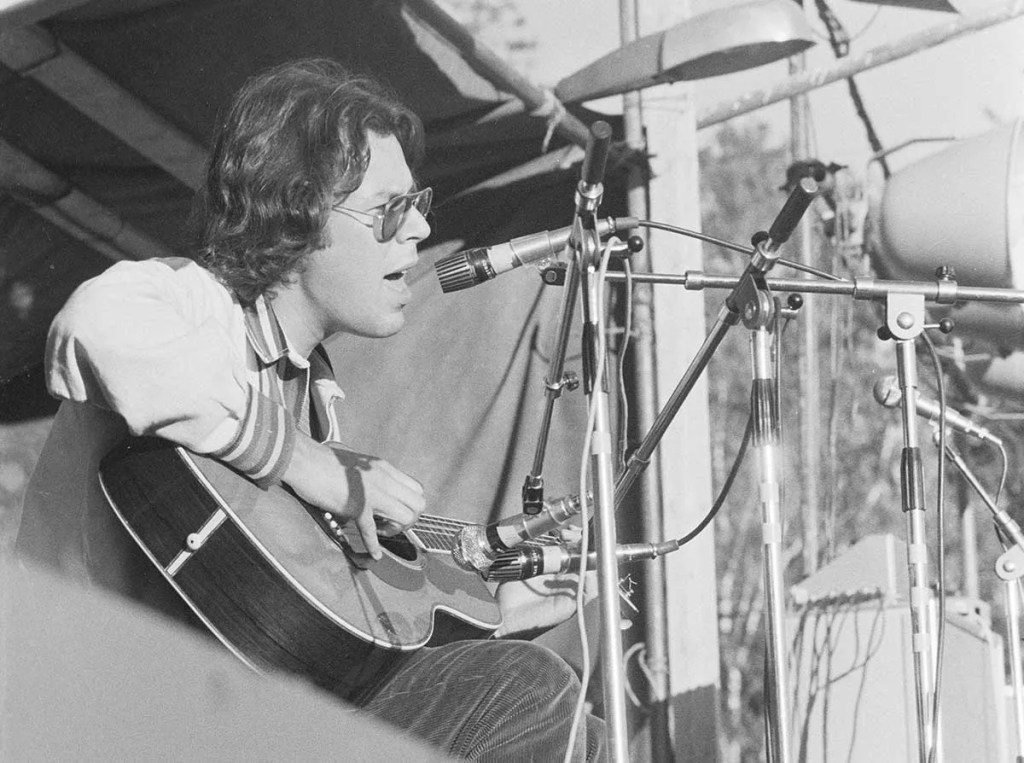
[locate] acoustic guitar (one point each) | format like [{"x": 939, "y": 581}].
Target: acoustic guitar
[{"x": 280, "y": 584}]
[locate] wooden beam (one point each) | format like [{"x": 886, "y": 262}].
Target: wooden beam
[
  {"x": 812, "y": 79},
  {"x": 33, "y": 52}
]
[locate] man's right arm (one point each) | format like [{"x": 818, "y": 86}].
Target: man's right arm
[
  {"x": 163, "y": 345},
  {"x": 165, "y": 348}
]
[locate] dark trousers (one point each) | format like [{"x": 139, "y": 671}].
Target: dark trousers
[{"x": 488, "y": 700}]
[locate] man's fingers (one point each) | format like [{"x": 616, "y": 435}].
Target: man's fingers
[
  {"x": 393, "y": 510},
  {"x": 367, "y": 528}
]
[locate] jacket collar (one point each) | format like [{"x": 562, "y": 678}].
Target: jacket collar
[{"x": 266, "y": 335}]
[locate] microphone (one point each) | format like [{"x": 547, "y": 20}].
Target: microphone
[
  {"x": 476, "y": 546},
  {"x": 590, "y": 189},
  {"x": 474, "y": 266},
  {"x": 888, "y": 393},
  {"x": 532, "y": 561}
]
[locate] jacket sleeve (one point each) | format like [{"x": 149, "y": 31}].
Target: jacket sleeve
[{"x": 161, "y": 343}]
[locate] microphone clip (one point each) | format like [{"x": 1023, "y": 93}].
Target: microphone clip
[
  {"x": 554, "y": 274},
  {"x": 588, "y": 198}
]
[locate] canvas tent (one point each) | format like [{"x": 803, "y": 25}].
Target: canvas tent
[{"x": 106, "y": 109}]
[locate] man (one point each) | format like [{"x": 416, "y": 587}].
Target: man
[{"x": 308, "y": 222}]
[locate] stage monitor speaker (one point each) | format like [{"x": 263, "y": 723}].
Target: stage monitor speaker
[
  {"x": 853, "y": 674},
  {"x": 88, "y": 676},
  {"x": 962, "y": 206}
]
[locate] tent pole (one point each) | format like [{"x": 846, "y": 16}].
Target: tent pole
[{"x": 646, "y": 410}]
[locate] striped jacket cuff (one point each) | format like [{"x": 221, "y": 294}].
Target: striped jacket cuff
[{"x": 262, "y": 447}]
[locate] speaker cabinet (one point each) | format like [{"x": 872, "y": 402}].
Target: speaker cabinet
[{"x": 852, "y": 670}]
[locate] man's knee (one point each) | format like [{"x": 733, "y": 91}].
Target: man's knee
[{"x": 543, "y": 671}]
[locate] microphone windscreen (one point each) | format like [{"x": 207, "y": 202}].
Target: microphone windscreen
[{"x": 461, "y": 270}]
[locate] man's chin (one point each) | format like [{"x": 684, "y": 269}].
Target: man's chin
[{"x": 381, "y": 330}]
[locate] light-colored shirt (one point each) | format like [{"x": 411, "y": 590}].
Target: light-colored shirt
[{"x": 161, "y": 348}]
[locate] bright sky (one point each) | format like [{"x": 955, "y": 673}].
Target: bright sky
[{"x": 959, "y": 88}]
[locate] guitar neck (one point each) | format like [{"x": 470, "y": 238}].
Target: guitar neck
[{"x": 439, "y": 534}]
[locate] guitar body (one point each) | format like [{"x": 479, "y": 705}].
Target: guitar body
[{"x": 276, "y": 584}]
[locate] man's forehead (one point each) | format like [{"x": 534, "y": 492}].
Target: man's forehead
[{"x": 388, "y": 173}]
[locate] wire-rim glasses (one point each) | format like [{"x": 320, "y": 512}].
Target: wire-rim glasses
[{"x": 389, "y": 216}]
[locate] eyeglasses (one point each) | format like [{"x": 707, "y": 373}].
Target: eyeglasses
[{"x": 390, "y": 215}]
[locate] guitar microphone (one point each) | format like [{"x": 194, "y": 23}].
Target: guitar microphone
[
  {"x": 532, "y": 561},
  {"x": 474, "y": 266},
  {"x": 476, "y": 546},
  {"x": 888, "y": 393}
]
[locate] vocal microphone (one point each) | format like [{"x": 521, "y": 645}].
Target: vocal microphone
[
  {"x": 532, "y": 561},
  {"x": 476, "y": 546},
  {"x": 474, "y": 266},
  {"x": 590, "y": 188},
  {"x": 888, "y": 393}
]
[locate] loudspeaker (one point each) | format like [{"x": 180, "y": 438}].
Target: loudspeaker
[
  {"x": 89, "y": 676},
  {"x": 853, "y": 677},
  {"x": 962, "y": 206}
]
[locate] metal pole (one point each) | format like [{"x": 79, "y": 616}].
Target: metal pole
[
  {"x": 810, "y": 397},
  {"x": 1011, "y": 593},
  {"x": 912, "y": 477},
  {"x": 604, "y": 503},
  {"x": 645, "y": 394},
  {"x": 767, "y": 444},
  {"x": 969, "y": 546},
  {"x": 811, "y": 80}
]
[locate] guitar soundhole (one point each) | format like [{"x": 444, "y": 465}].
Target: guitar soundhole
[{"x": 400, "y": 546}]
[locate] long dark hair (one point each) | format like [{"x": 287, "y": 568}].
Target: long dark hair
[{"x": 293, "y": 143}]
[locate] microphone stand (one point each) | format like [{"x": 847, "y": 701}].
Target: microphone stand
[
  {"x": 904, "y": 322},
  {"x": 555, "y": 381},
  {"x": 750, "y": 299},
  {"x": 904, "y": 315},
  {"x": 586, "y": 263},
  {"x": 582, "y": 274},
  {"x": 1009, "y": 567}
]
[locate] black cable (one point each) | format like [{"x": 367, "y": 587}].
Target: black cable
[
  {"x": 840, "y": 43},
  {"x": 735, "y": 247},
  {"x": 726, "y": 486},
  {"x": 734, "y": 470}
]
